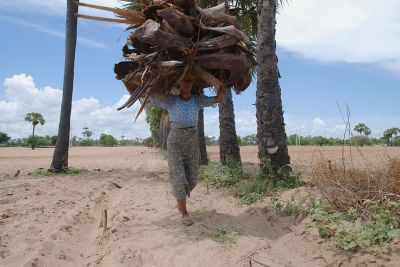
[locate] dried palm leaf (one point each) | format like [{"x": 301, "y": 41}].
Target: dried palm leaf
[{"x": 133, "y": 17}]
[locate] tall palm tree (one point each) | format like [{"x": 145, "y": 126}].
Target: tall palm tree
[
  {"x": 271, "y": 135},
  {"x": 60, "y": 155},
  {"x": 389, "y": 133},
  {"x": 35, "y": 119},
  {"x": 362, "y": 128},
  {"x": 228, "y": 141}
]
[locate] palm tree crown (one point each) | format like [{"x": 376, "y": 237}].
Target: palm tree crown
[
  {"x": 362, "y": 128},
  {"x": 34, "y": 118}
]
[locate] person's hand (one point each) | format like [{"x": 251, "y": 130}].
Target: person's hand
[{"x": 220, "y": 95}]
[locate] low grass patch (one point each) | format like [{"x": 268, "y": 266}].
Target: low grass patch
[
  {"x": 224, "y": 235},
  {"x": 5, "y": 176},
  {"x": 252, "y": 190},
  {"x": 222, "y": 176},
  {"x": 249, "y": 187},
  {"x": 372, "y": 232},
  {"x": 255, "y": 188},
  {"x": 287, "y": 181},
  {"x": 163, "y": 152},
  {"x": 70, "y": 171},
  {"x": 289, "y": 208}
]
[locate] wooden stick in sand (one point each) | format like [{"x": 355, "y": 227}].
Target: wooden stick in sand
[{"x": 105, "y": 221}]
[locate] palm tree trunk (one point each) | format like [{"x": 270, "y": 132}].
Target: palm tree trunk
[
  {"x": 202, "y": 140},
  {"x": 228, "y": 143},
  {"x": 60, "y": 156},
  {"x": 270, "y": 122},
  {"x": 33, "y": 137},
  {"x": 362, "y": 140},
  {"x": 163, "y": 131}
]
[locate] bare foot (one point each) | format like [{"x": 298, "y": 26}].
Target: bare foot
[{"x": 186, "y": 220}]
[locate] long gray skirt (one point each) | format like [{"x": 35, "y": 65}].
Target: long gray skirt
[{"x": 183, "y": 160}]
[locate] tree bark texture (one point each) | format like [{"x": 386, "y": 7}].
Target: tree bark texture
[
  {"x": 228, "y": 143},
  {"x": 60, "y": 156},
  {"x": 270, "y": 122},
  {"x": 202, "y": 139},
  {"x": 33, "y": 137}
]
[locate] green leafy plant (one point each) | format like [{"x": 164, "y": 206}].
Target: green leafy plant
[
  {"x": 350, "y": 232},
  {"x": 225, "y": 235},
  {"x": 249, "y": 187},
  {"x": 287, "y": 180},
  {"x": 222, "y": 176},
  {"x": 252, "y": 190},
  {"x": 287, "y": 209}
]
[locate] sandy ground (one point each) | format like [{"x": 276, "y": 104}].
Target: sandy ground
[{"x": 54, "y": 221}]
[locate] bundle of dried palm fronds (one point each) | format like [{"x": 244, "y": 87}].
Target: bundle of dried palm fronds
[{"x": 177, "y": 46}]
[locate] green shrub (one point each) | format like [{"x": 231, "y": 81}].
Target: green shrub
[
  {"x": 286, "y": 180},
  {"x": 220, "y": 175},
  {"x": 374, "y": 233},
  {"x": 4, "y": 138},
  {"x": 253, "y": 190},
  {"x": 107, "y": 140},
  {"x": 249, "y": 187}
]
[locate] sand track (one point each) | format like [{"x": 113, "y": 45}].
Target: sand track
[{"x": 54, "y": 221}]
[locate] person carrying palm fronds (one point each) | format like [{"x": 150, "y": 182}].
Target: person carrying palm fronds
[{"x": 183, "y": 143}]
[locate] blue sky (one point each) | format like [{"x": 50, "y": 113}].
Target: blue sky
[{"x": 349, "y": 56}]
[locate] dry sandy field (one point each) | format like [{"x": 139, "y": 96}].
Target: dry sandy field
[{"x": 54, "y": 220}]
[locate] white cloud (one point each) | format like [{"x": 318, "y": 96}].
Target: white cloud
[
  {"x": 245, "y": 122},
  {"x": 357, "y": 31},
  {"x": 318, "y": 123},
  {"x": 23, "y": 96},
  {"x": 211, "y": 122},
  {"x": 318, "y": 126}
]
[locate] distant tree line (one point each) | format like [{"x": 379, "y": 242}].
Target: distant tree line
[
  {"x": 391, "y": 137},
  {"x": 86, "y": 140},
  {"x": 331, "y": 141},
  {"x": 250, "y": 140}
]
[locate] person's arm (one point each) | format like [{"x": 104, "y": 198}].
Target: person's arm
[{"x": 208, "y": 101}]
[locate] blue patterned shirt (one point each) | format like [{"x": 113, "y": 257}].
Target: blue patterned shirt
[{"x": 184, "y": 113}]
